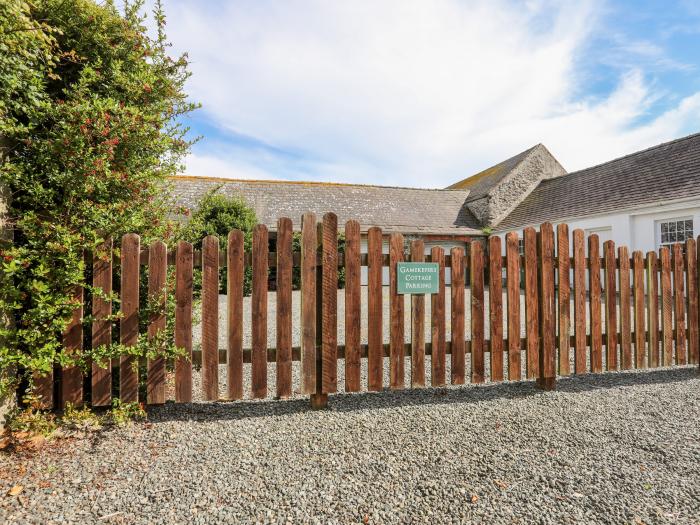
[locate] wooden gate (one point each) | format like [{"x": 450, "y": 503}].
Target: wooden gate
[{"x": 581, "y": 311}]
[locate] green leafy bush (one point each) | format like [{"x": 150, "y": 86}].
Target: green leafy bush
[
  {"x": 122, "y": 414},
  {"x": 23, "y": 424},
  {"x": 93, "y": 130},
  {"x": 296, "y": 272},
  {"x": 30, "y": 421},
  {"x": 218, "y": 214}
]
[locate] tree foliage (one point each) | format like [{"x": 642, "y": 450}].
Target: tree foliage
[
  {"x": 217, "y": 215},
  {"x": 90, "y": 108}
]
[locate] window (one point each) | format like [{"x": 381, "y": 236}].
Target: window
[
  {"x": 604, "y": 233},
  {"x": 674, "y": 230},
  {"x": 521, "y": 246}
]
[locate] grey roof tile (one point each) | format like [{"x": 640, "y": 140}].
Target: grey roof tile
[
  {"x": 669, "y": 171},
  {"x": 408, "y": 210}
]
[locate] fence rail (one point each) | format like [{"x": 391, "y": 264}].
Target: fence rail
[{"x": 648, "y": 304}]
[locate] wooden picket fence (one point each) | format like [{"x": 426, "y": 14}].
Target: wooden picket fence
[{"x": 649, "y": 304}]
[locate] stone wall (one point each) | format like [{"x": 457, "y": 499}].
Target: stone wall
[{"x": 509, "y": 192}]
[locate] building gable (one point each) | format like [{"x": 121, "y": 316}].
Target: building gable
[
  {"x": 658, "y": 175},
  {"x": 496, "y": 191}
]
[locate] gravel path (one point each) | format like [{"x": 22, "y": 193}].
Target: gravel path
[
  {"x": 613, "y": 448},
  {"x": 296, "y": 305}
]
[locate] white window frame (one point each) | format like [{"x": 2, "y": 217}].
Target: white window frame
[
  {"x": 659, "y": 222},
  {"x": 598, "y": 230}
]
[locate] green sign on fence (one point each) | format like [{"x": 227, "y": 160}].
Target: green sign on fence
[{"x": 417, "y": 278}]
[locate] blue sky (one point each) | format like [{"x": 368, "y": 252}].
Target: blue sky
[{"x": 416, "y": 93}]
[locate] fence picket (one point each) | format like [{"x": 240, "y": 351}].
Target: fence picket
[
  {"x": 284, "y": 308},
  {"x": 513, "y": 305},
  {"x": 531, "y": 307},
  {"x": 417, "y": 324},
  {"x": 644, "y": 334},
  {"x": 375, "y": 357},
  {"x": 666, "y": 307},
  {"x": 234, "y": 307},
  {"x": 639, "y": 310},
  {"x": 259, "y": 312},
  {"x": 396, "y": 308},
  {"x": 652, "y": 310},
  {"x": 102, "y": 326},
  {"x": 580, "y": 346},
  {"x": 563, "y": 298},
  {"x": 626, "y": 361},
  {"x": 437, "y": 321},
  {"x": 157, "y": 293},
  {"x": 43, "y": 389},
  {"x": 308, "y": 303},
  {"x": 319, "y": 399},
  {"x": 129, "y": 322},
  {"x": 691, "y": 288},
  {"x": 611, "y": 361},
  {"x": 210, "y": 318},
  {"x": 183, "y": 321},
  {"x": 476, "y": 269},
  {"x": 352, "y": 306},
  {"x": 679, "y": 303},
  {"x": 547, "y": 355},
  {"x": 72, "y": 378},
  {"x": 329, "y": 306},
  {"x": 457, "y": 315},
  {"x": 594, "y": 303},
  {"x": 496, "y": 307}
]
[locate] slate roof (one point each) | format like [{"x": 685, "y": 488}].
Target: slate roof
[
  {"x": 666, "y": 172},
  {"x": 408, "y": 210},
  {"x": 481, "y": 183}
]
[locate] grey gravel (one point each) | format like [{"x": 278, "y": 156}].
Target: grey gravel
[
  {"x": 296, "y": 313},
  {"x": 613, "y": 448}
]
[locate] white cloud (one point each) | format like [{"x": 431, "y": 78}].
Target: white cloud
[
  {"x": 220, "y": 166},
  {"x": 405, "y": 91}
]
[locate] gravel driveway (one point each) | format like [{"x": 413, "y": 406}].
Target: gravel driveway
[
  {"x": 296, "y": 305},
  {"x": 614, "y": 448}
]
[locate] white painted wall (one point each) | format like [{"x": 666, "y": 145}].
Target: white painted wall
[{"x": 636, "y": 228}]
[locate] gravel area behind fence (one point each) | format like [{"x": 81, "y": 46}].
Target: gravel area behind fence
[
  {"x": 296, "y": 304},
  {"x": 613, "y": 448},
  {"x": 296, "y": 300}
]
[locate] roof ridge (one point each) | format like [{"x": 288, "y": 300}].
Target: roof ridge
[
  {"x": 483, "y": 173},
  {"x": 309, "y": 183},
  {"x": 663, "y": 144},
  {"x": 525, "y": 156}
]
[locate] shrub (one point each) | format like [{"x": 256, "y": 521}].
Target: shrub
[
  {"x": 93, "y": 136},
  {"x": 296, "y": 273},
  {"x": 217, "y": 215}
]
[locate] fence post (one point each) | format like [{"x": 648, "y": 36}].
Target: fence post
[
  {"x": 129, "y": 324},
  {"x": 258, "y": 354},
  {"x": 157, "y": 292},
  {"x": 183, "y": 321},
  {"x": 102, "y": 325},
  {"x": 396, "y": 314},
  {"x": 319, "y": 400},
  {"x": 352, "y": 307},
  {"x": 210, "y": 318},
  {"x": 547, "y": 345},
  {"x": 417, "y": 323},
  {"x": 329, "y": 304},
  {"x": 72, "y": 380}
]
